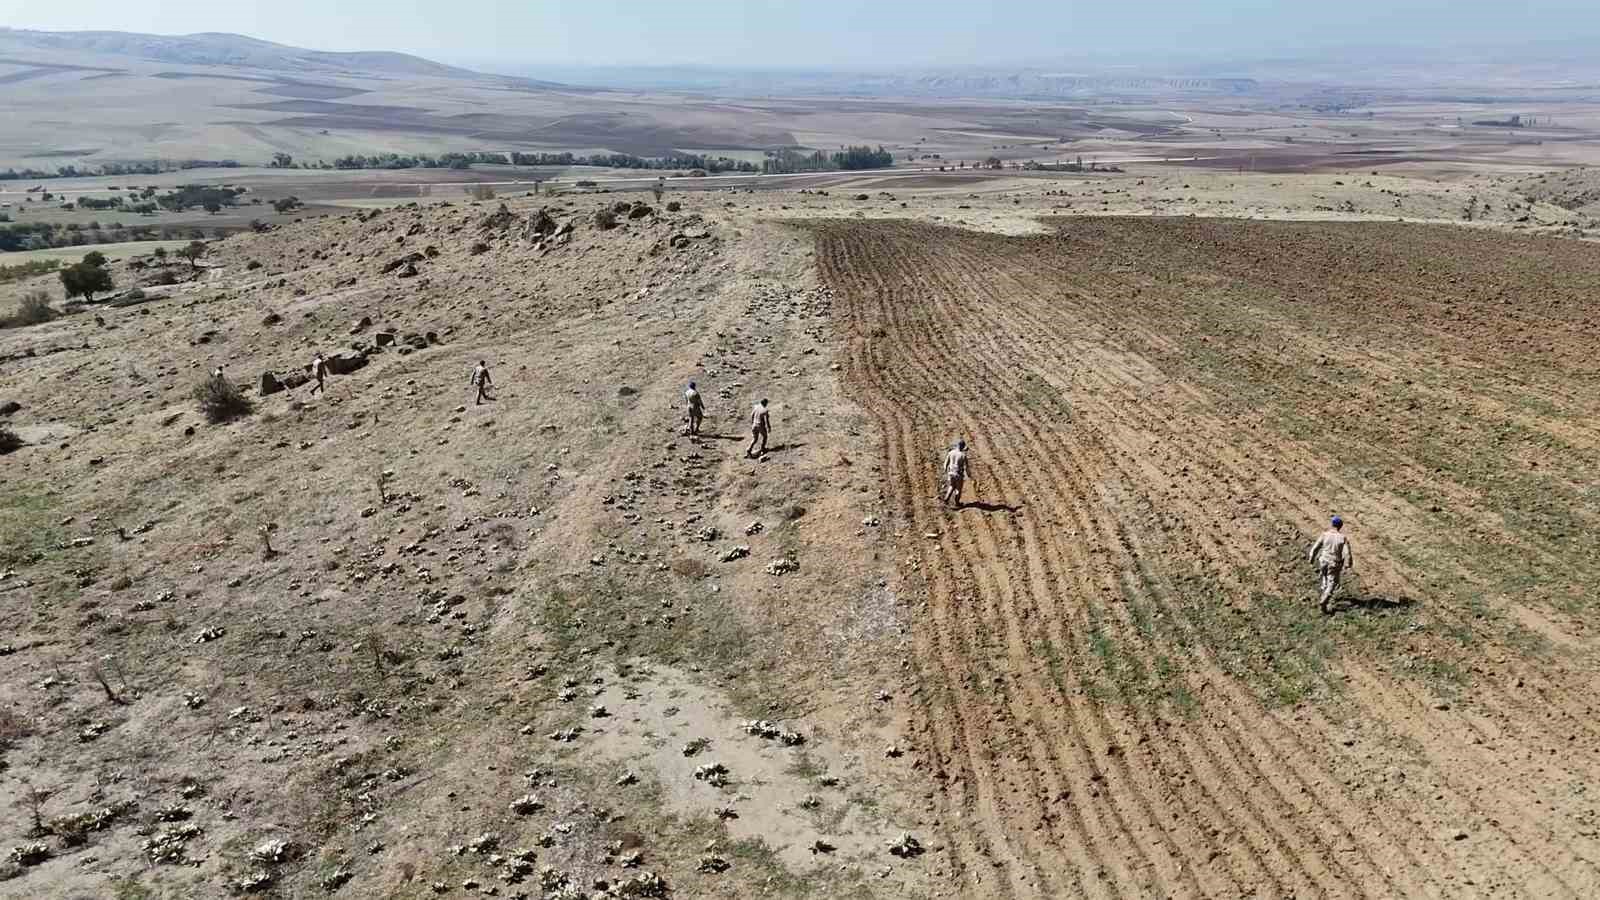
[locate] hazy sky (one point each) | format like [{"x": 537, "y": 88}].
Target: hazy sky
[{"x": 823, "y": 33}]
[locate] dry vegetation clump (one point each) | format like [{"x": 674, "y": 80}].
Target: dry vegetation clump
[
  {"x": 9, "y": 440},
  {"x": 605, "y": 219},
  {"x": 35, "y": 309},
  {"x": 221, "y": 401}
]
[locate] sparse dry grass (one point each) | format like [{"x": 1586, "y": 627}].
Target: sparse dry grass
[{"x": 35, "y": 309}]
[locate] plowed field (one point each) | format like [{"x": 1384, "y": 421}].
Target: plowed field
[{"x": 1126, "y": 686}]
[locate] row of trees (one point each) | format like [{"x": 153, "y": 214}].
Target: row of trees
[
  {"x": 690, "y": 161},
  {"x": 786, "y": 161},
  {"x": 47, "y": 236},
  {"x": 605, "y": 160},
  {"x": 145, "y": 167}
]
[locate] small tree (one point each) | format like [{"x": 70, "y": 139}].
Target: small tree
[
  {"x": 94, "y": 258},
  {"x": 192, "y": 254},
  {"x": 213, "y": 207},
  {"x": 85, "y": 280},
  {"x": 160, "y": 253}
]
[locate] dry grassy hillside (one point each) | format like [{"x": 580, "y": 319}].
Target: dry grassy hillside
[{"x": 487, "y": 627}]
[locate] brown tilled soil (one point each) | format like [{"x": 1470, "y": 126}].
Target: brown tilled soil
[{"x": 1126, "y": 688}]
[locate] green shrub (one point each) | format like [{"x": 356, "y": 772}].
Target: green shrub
[
  {"x": 35, "y": 309},
  {"x": 221, "y": 401}
]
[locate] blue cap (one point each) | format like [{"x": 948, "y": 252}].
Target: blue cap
[
  {"x": 1337, "y": 521},
  {"x": 691, "y": 384}
]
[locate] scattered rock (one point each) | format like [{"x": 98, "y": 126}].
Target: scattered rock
[
  {"x": 713, "y": 865},
  {"x": 30, "y": 854},
  {"x": 739, "y": 552},
  {"x": 270, "y": 384},
  {"x": 906, "y": 848},
  {"x": 273, "y": 852},
  {"x": 271, "y": 318},
  {"x": 714, "y": 774},
  {"x": 362, "y": 324},
  {"x": 409, "y": 260}
]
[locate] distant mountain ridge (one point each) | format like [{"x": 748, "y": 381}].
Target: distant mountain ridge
[{"x": 235, "y": 50}]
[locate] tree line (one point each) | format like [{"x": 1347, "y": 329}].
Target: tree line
[
  {"x": 467, "y": 160},
  {"x": 787, "y": 161},
  {"x": 147, "y": 167},
  {"x": 48, "y": 236}
]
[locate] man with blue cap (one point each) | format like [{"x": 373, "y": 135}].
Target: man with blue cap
[{"x": 1331, "y": 555}]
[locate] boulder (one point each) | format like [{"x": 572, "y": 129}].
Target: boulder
[
  {"x": 408, "y": 260},
  {"x": 295, "y": 379},
  {"x": 431, "y": 336},
  {"x": 383, "y": 338},
  {"x": 344, "y": 364},
  {"x": 640, "y": 211},
  {"x": 9, "y": 407},
  {"x": 270, "y": 384},
  {"x": 361, "y": 325},
  {"x": 409, "y": 270},
  {"x": 415, "y": 340},
  {"x": 271, "y": 318},
  {"x": 542, "y": 223}
]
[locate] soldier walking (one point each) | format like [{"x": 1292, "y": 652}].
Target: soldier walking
[
  {"x": 319, "y": 371},
  {"x": 760, "y": 429},
  {"x": 1331, "y": 555},
  {"x": 697, "y": 408},
  {"x": 955, "y": 474},
  {"x": 480, "y": 377}
]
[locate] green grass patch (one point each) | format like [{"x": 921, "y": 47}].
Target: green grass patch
[
  {"x": 29, "y": 529},
  {"x": 29, "y": 269}
]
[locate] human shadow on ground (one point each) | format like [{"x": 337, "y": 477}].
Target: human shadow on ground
[
  {"x": 991, "y": 507},
  {"x": 784, "y": 448},
  {"x": 1374, "y": 603}
]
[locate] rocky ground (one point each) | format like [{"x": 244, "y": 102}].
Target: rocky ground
[{"x": 384, "y": 641}]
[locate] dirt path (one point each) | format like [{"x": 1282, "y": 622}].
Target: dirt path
[{"x": 1125, "y": 691}]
